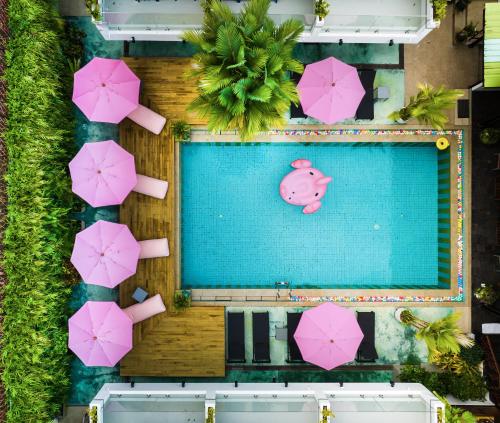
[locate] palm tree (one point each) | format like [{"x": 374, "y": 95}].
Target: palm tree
[
  {"x": 242, "y": 68},
  {"x": 428, "y": 106},
  {"x": 442, "y": 335}
]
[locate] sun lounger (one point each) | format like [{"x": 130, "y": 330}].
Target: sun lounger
[
  {"x": 366, "y": 351},
  {"x": 153, "y": 248},
  {"x": 148, "y": 119},
  {"x": 151, "y": 186},
  {"x": 260, "y": 325},
  {"x": 148, "y": 308},
  {"x": 235, "y": 337},
  {"x": 294, "y": 354},
  {"x": 366, "y": 107}
]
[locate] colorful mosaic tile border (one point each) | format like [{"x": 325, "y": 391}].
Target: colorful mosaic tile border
[{"x": 458, "y": 134}]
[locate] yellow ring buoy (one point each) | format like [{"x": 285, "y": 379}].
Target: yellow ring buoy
[{"x": 442, "y": 143}]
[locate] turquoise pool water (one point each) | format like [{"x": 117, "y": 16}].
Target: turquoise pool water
[{"x": 377, "y": 228}]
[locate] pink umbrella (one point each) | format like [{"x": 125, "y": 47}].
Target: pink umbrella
[
  {"x": 330, "y": 90},
  {"x": 328, "y": 335},
  {"x": 100, "y": 333},
  {"x": 103, "y": 173},
  {"x": 105, "y": 253},
  {"x": 106, "y": 90}
]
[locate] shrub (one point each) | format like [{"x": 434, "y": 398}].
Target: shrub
[
  {"x": 181, "y": 130},
  {"x": 182, "y": 299},
  {"x": 455, "y": 414},
  {"x": 321, "y": 9},
  {"x": 39, "y": 234},
  {"x": 242, "y": 68},
  {"x": 439, "y": 9},
  {"x": 473, "y": 355},
  {"x": 464, "y": 387}
]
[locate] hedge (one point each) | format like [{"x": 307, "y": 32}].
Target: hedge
[{"x": 39, "y": 231}]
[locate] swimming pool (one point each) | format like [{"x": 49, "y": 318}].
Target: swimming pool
[{"x": 379, "y": 226}]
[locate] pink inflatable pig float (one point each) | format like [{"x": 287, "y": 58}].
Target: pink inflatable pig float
[{"x": 304, "y": 186}]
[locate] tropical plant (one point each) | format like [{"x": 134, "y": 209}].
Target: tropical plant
[
  {"x": 439, "y": 7},
  {"x": 39, "y": 235},
  {"x": 487, "y": 294},
  {"x": 325, "y": 414},
  {"x": 210, "y": 415},
  {"x": 489, "y": 136},
  {"x": 473, "y": 355},
  {"x": 182, "y": 299},
  {"x": 181, "y": 130},
  {"x": 242, "y": 68},
  {"x": 455, "y": 414},
  {"x": 467, "y": 32},
  {"x": 433, "y": 381},
  {"x": 321, "y": 9},
  {"x": 94, "y": 9},
  {"x": 92, "y": 412},
  {"x": 428, "y": 106},
  {"x": 464, "y": 387},
  {"x": 454, "y": 363},
  {"x": 467, "y": 387},
  {"x": 72, "y": 45},
  {"x": 442, "y": 335}
]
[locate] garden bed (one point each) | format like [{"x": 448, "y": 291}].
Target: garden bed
[{"x": 39, "y": 233}]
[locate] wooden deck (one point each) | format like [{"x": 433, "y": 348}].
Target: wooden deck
[{"x": 185, "y": 344}]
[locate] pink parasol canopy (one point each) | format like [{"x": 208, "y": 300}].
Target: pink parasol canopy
[
  {"x": 330, "y": 90},
  {"x": 100, "y": 333},
  {"x": 103, "y": 173},
  {"x": 328, "y": 335},
  {"x": 105, "y": 253},
  {"x": 106, "y": 90}
]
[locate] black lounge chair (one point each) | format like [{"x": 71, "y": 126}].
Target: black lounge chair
[
  {"x": 296, "y": 111},
  {"x": 260, "y": 325},
  {"x": 366, "y": 351},
  {"x": 367, "y": 106},
  {"x": 236, "y": 337},
  {"x": 294, "y": 354}
]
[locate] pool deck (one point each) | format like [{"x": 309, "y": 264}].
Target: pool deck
[{"x": 191, "y": 343}]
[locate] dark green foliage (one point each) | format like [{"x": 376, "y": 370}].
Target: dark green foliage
[
  {"x": 242, "y": 68},
  {"x": 72, "y": 45},
  {"x": 464, "y": 387},
  {"x": 181, "y": 130},
  {"x": 39, "y": 235},
  {"x": 473, "y": 355},
  {"x": 182, "y": 299}
]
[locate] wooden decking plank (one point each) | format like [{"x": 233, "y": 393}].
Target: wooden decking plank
[{"x": 185, "y": 344}]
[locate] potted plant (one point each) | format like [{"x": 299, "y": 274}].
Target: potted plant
[
  {"x": 428, "y": 106},
  {"x": 321, "y": 9},
  {"x": 242, "y": 68},
  {"x": 487, "y": 294},
  {"x": 326, "y": 414},
  {"x": 468, "y": 31},
  {"x": 92, "y": 413},
  {"x": 210, "y": 415},
  {"x": 439, "y": 9},
  {"x": 490, "y": 136},
  {"x": 181, "y": 130},
  {"x": 94, "y": 9},
  {"x": 182, "y": 299}
]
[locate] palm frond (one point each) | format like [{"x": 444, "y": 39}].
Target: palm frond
[{"x": 242, "y": 68}]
